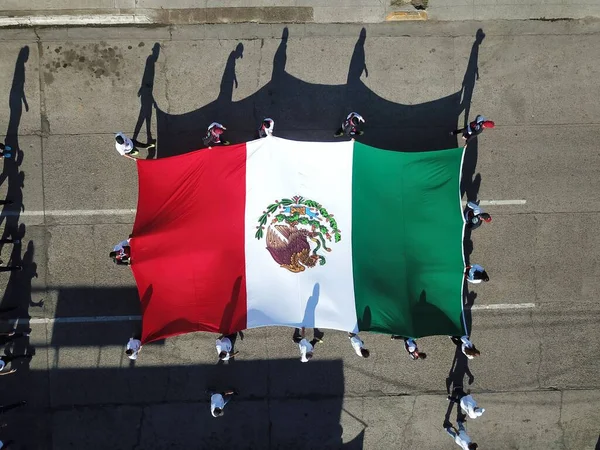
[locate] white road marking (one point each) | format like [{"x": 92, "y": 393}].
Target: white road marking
[
  {"x": 501, "y": 202},
  {"x": 504, "y": 306},
  {"x": 98, "y": 319},
  {"x": 78, "y": 19},
  {"x": 132, "y": 211}
]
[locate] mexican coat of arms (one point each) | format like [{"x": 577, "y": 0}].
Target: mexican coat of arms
[{"x": 298, "y": 230}]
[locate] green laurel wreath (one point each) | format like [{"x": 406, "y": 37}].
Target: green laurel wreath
[{"x": 331, "y": 231}]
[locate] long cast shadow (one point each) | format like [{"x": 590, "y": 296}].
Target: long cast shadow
[
  {"x": 146, "y": 95},
  {"x": 167, "y": 406},
  {"x": 17, "y": 294},
  {"x": 312, "y": 112}
]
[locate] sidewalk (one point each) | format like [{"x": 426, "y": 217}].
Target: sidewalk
[{"x": 149, "y": 12}]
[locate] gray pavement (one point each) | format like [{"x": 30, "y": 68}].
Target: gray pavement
[{"x": 537, "y": 376}]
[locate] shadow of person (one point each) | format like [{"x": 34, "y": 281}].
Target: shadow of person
[
  {"x": 318, "y": 109},
  {"x": 365, "y": 320},
  {"x": 280, "y": 59},
  {"x": 470, "y": 183},
  {"x": 458, "y": 370},
  {"x": 180, "y": 133},
  {"x": 429, "y": 319},
  {"x": 10, "y": 170},
  {"x": 471, "y": 76},
  {"x": 308, "y": 320},
  {"x": 18, "y": 293},
  {"x": 17, "y": 99},
  {"x": 14, "y": 192},
  {"x": 146, "y": 95},
  {"x": 20, "y": 289},
  {"x": 454, "y": 384},
  {"x": 460, "y": 416},
  {"x": 228, "y": 83},
  {"x": 358, "y": 64},
  {"x": 311, "y": 305},
  {"x": 230, "y": 322},
  {"x": 29, "y": 272}
]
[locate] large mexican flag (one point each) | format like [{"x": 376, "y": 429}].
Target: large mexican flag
[{"x": 276, "y": 232}]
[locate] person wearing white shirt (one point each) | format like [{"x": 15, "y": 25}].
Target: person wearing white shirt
[
  {"x": 306, "y": 347},
  {"x": 358, "y": 345},
  {"x": 224, "y": 347},
  {"x": 128, "y": 147},
  {"x": 350, "y": 126},
  {"x": 306, "y": 350},
  {"x": 466, "y": 345},
  {"x": 469, "y": 406},
  {"x": 266, "y": 128},
  {"x": 410, "y": 345},
  {"x": 467, "y": 403},
  {"x": 474, "y": 128},
  {"x": 474, "y": 216},
  {"x": 120, "y": 247},
  {"x": 133, "y": 348},
  {"x": 476, "y": 274},
  {"x": 213, "y": 135},
  {"x": 218, "y": 402},
  {"x": 121, "y": 253},
  {"x": 461, "y": 437}
]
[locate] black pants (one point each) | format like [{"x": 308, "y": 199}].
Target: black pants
[
  {"x": 138, "y": 144},
  {"x": 465, "y": 133},
  {"x": 6, "y": 339},
  {"x": 9, "y": 358}
]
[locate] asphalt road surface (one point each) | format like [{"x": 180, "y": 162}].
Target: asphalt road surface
[{"x": 65, "y": 92}]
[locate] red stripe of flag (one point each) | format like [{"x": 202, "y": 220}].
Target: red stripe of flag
[{"x": 187, "y": 250}]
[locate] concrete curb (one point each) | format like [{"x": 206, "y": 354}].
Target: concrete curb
[
  {"x": 199, "y": 16},
  {"x": 189, "y": 16},
  {"x": 406, "y": 15}
]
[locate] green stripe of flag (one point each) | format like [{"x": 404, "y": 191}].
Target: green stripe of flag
[{"x": 407, "y": 232}]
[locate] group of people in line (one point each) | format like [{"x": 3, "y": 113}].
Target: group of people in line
[
  {"x": 6, "y": 152},
  {"x": 474, "y": 218},
  {"x": 7, "y": 337},
  {"x": 7, "y": 368},
  {"x": 350, "y": 127},
  {"x": 214, "y": 134}
]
